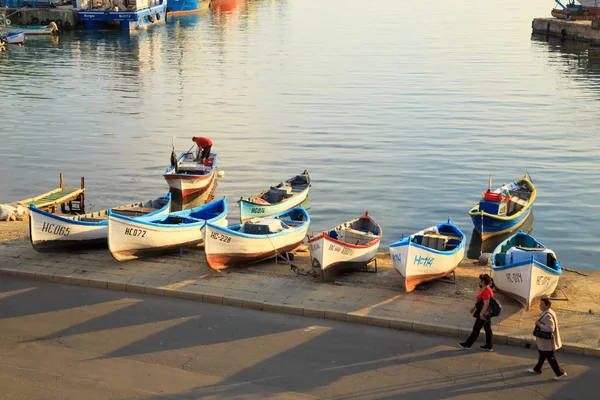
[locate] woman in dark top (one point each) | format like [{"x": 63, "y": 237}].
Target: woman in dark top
[{"x": 479, "y": 311}]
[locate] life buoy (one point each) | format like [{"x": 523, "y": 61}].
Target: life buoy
[
  {"x": 150, "y": 18},
  {"x": 66, "y": 25},
  {"x": 35, "y": 21},
  {"x": 59, "y": 23}
]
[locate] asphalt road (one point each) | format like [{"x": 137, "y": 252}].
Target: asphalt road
[{"x": 69, "y": 342}]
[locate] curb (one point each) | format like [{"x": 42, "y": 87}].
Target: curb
[{"x": 330, "y": 314}]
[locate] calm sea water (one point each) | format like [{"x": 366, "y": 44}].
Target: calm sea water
[{"x": 399, "y": 109}]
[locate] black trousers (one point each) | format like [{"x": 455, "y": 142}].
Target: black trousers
[
  {"x": 548, "y": 355},
  {"x": 205, "y": 153},
  {"x": 486, "y": 324}
]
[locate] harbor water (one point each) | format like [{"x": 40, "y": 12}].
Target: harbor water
[{"x": 401, "y": 109}]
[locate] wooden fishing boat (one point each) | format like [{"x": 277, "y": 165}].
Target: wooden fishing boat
[
  {"x": 350, "y": 245},
  {"x": 13, "y": 37},
  {"x": 504, "y": 209},
  {"x": 130, "y": 238},
  {"x": 525, "y": 269},
  {"x": 49, "y": 232},
  {"x": 192, "y": 182},
  {"x": 428, "y": 254},
  {"x": 255, "y": 240},
  {"x": 285, "y": 196},
  {"x": 30, "y": 30}
]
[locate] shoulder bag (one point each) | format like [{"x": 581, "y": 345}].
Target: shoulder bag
[{"x": 537, "y": 332}]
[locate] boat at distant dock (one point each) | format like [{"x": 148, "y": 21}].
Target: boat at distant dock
[
  {"x": 126, "y": 14},
  {"x": 184, "y": 7}
]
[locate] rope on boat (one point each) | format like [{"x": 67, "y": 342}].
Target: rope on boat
[{"x": 293, "y": 267}]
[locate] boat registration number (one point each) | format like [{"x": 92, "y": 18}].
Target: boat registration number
[
  {"x": 56, "y": 229},
  {"x": 257, "y": 210},
  {"x": 135, "y": 232},
  {"x": 220, "y": 237}
]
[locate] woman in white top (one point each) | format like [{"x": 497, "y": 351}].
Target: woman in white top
[{"x": 546, "y": 347}]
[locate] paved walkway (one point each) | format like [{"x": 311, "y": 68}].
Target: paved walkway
[{"x": 368, "y": 299}]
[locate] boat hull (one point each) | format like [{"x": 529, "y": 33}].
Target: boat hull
[
  {"x": 129, "y": 20},
  {"x": 191, "y": 190},
  {"x": 130, "y": 239},
  {"x": 418, "y": 264},
  {"x": 49, "y": 232},
  {"x": 227, "y": 248},
  {"x": 333, "y": 256},
  {"x": 29, "y": 31},
  {"x": 493, "y": 226},
  {"x": 185, "y": 7},
  {"x": 14, "y": 37},
  {"x": 525, "y": 282}
]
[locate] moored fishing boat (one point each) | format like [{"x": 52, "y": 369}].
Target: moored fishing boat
[
  {"x": 13, "y": 37},
  {"x": 192, "y": 182},
  {"x": 350, "y": 245},
  {"x": 30, "y": 30},
  {"x": 131, "y": 238},
  {"x": 184, "y": 7},
  {"x": 49, "y": 232},
  {"x": 130, "y": 14},
  {"x": 255, "y": 240},
  {"x": 428, "y": 254},
  {"x": 525, "y": 269},
  {"x": 504, "y": 209},
  {"x": 285, "y": 196}
]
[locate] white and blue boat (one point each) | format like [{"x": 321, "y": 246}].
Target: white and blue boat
[
  {"x": 184, "y": 7},
  {"x": 17, "y": 37},
  {"x": 284, "y": 196},
  {"x": 131, "y": 238},
  {"x": 504, "y": 209},
  {"x": 127, "y": 14},
  {"x": 525, "y": 269},
  {"x": 429, "y": 254},
  {"x": 255, "y": 240},
  {"x": 49, "y": 232}
]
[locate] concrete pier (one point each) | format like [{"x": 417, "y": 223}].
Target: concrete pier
[
  {"x": 64, "y": 17},
  {"x": 585, "y": 31}
]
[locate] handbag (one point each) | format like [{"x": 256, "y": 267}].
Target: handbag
[
  {"x": 494, "y": 308},
  {"x": 538, "y": 333}
]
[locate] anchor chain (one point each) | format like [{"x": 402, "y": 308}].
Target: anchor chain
[{"x": 303, "y": 272}]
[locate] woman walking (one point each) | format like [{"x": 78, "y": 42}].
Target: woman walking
[
  {"x": 546, "y": 347},
  {"x": 479, "y": 311}
]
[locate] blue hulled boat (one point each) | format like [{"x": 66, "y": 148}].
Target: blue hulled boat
[
  {"x": 128, "y": 14},
  {"x": 504, "y": 209},
  {"x": 183, "y": 7}
]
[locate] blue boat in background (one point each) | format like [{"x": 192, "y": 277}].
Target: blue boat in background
[
  {"x": 126, "y": 14},
  {"x": 504, "y": 209},
  {"x": 184, "y": 7}
]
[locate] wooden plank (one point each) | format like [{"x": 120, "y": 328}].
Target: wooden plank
[{"x": 54, "y": 198}]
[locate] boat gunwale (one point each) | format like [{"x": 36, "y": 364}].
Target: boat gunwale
[
  {"x": 70, "y": 219},
  {"x": 557, "y": 271},
  {"x": 408, "y": 242},
  {"x": 248, "y": 200},
  {"x": 325, "y": 235},
  {"x": 476, "y": 212},
  {"x": 143, "y": 220},
  {"x": 293, "y": 229}
]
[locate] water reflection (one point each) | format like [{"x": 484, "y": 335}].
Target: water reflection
[
  {"x": 476, "y": 247},
  {"x": 576, "y": 58}
]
